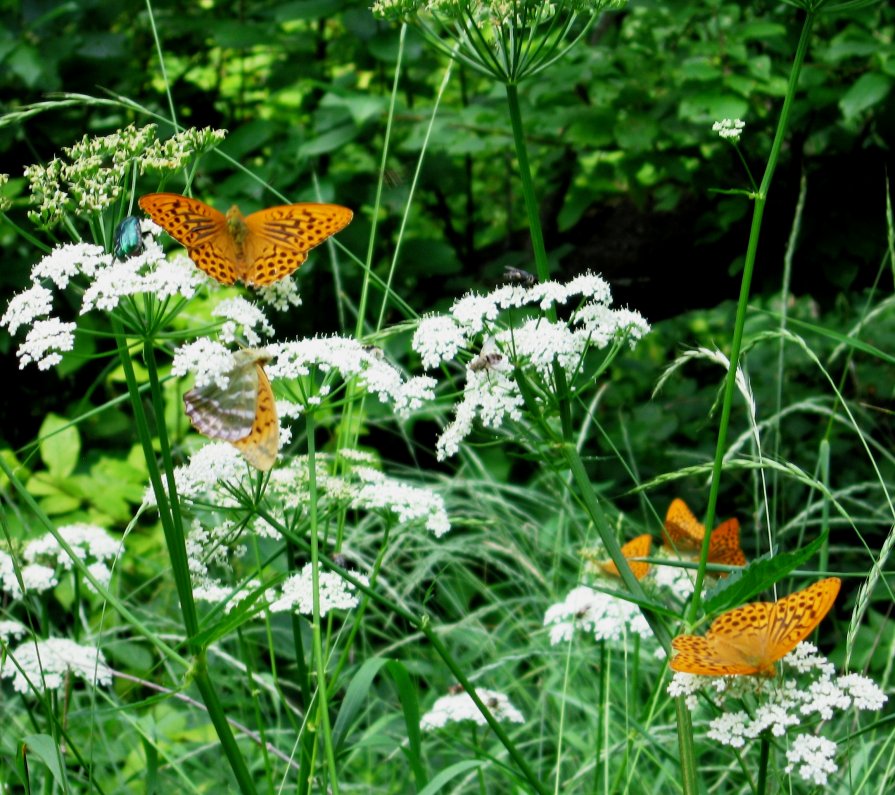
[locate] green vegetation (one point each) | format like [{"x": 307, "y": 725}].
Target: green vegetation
[{"x": 568, "y": 219}]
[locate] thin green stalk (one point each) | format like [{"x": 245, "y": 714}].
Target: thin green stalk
[
  {"x": 177, "y": 551},
  {"x": 607, "y": 536},
  {"x": 365, "y": 287},
  {"x": 537, "y": 244},
  {"x": 764, "y": 756},
  {"x": 685, "y": 746},
  {"x": 319, "y": 661},
  {"x": 423, "y": 626},
  {"x": 528, "y": 190},
  {"x": 737, "y": 342}
]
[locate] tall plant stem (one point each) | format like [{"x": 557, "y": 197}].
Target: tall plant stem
[
  {"x": 319, "y": 661},
  {"x": 737, "y": 342},
  {"x": 537, "y": 244},
  {"x": 169, "y": 515},
  {"x": 684, "y": 725}
]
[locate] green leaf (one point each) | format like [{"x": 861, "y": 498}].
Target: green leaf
[
  {"x": 60, "y": 445},
  {"x": 449, "y": 774},
  {"x": 355, "y": 696},
  {"x": 758, "y": 576},
  {"x": 867, "y": 91},
  {"x": 44, "y": 748},
  {"x": 407, "y": 694}
]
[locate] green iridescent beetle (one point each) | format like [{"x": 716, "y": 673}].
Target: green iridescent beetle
[{"x": 128, "y": 238}]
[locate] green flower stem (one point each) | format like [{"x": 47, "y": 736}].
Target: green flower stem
[
  {"x": 686, "y": 747},
  {"x": 607, "y": 536},
  {"x": 737, "y": 342},
  {"x": 422, "y": 625},
  {"x": 365, "y": 287},
  {"x": 319, "y": 660},
  {"x": 764, "y": 756},
  {"x": 528, "y": 190},
  {"x": 537, "y": 244},
  {"x": 176, "y": 547}
]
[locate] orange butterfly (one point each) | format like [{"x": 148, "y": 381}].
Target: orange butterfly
[
  {"x": 750, "y": 639},
  {"x": 636, "y": 548},
  {"x": 257, "y": 249},
  {"x": 684, "y": 533}
]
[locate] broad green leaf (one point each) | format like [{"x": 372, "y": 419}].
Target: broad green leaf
[
  {"x": 60, "y": 445},
  {"x": 868, "y": 90},
  {"x": 44, "y": 748},
  {"x": 355, "y": 697}
]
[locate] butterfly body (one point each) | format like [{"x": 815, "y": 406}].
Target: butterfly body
[
  {"x": 242, "y": 413},
  {"x": 750, "y": 639},
  {"x": 257, "y": 249}
]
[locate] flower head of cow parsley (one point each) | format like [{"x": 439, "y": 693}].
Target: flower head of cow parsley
[
  {"x": 806, "y": 693},
  {"x": 94, "y": 172},
  {"x": 514, "y": 340},
  {"x": 47, "y": 664},
  {"x": 506, "y": 39},
  {"x": 460, "y": 708}
]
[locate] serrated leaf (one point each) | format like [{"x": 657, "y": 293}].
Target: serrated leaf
[{"x": 760, "y": 575}]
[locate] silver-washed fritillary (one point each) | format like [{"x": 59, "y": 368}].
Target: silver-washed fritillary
[
  {"x": 243, "y": 413},
  {"x": 751, "y": 638},
  {"x": 684, "y": 533},
  {"x": 257, "y": 249},
  {"x": 636, "y": 548}
]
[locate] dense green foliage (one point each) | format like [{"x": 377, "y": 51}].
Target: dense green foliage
[{"x": 630, "y": 183}]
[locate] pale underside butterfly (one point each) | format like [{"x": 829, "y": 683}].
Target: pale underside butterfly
[
  {"x": 257, "y": 249},
  {"x": 750, "y": 639},
  {"x": 684, "y": 533},
  {"x": 243, "y": 413}
]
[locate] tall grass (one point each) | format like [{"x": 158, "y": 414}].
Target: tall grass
[{"x": 204, "y": 682}]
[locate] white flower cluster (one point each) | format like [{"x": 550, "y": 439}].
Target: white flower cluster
[
  {"x": 96, "y": 169},
  {"x": 108, "y": 282},
  {"x": 244, "y": 317},
  {"x": 811, "y": 689},
  {"x": 604, "y": 616},
  {"x": 92, "y": 544},
  {"x": 731, "y": 129},
  {"x": 11, "y": 630},
  {"x": 43, "y": 559},
  {"x": 411, "y": 503},
  {"x": 297, "y": 593},
  {"x": 35, "y": 578},
  {"x": 491, "y": 394},
  {"x": 459, "y": 707},
  {"x": 350, "y": 359},
  {"x": 46, "y": 665}
]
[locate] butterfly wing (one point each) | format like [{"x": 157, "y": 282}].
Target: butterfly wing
[
  {"x": 279, "y": 238},
  {"x": 735, "y": 644},
  {"x": 797, "y": 615},
  {"x": 200, "y": 228},
  {"x": 683, "y": 531},
  {"x": 260, "y": 446},
  {"x": 227, "y": 413},
  {"x": 724, "y": 545},
  {"x": 636, "y": 548}
]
